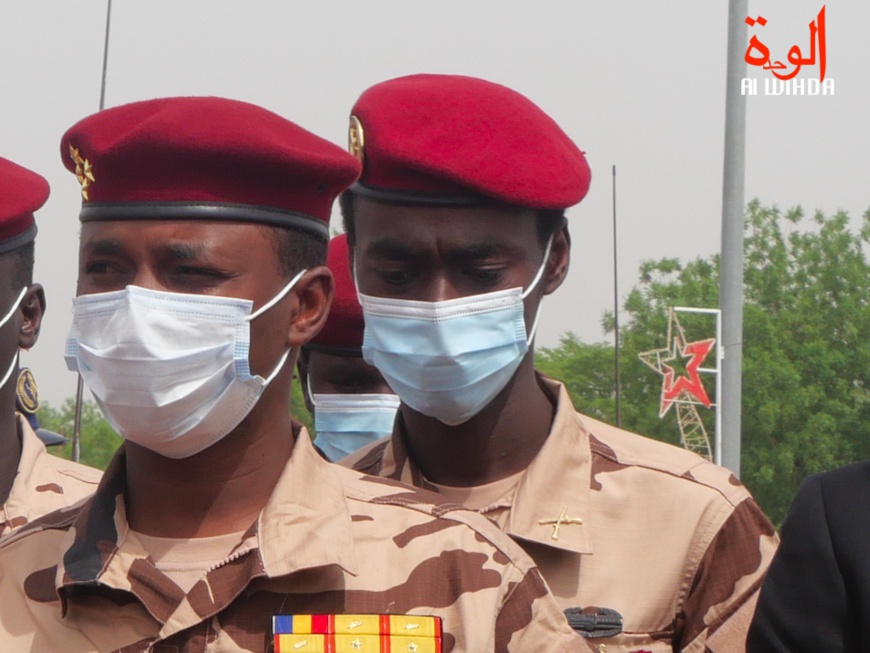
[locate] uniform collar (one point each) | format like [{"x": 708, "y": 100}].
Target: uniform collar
[
  {"x": 556, "y": 483},
  {"x": 304, "y": 524},
  {"x": 558, "y": 478}
]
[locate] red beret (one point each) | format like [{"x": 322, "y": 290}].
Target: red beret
[
  {"x": 343, "y": 331},
  {"x": 22, "y": 192},
  {"x": 204, "y": 158},
  {"x": 448, "y": 139}
]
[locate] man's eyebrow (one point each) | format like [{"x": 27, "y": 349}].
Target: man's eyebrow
[
  {"x": 184, "y": 251},
  {"x": 476, "y": 250},
  {"x": 113, "y": 247},
  {"x": 105, "y": 247},
  {"x": 390, "y": 249}
]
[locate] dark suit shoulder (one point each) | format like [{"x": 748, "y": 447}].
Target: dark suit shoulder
[
  {"x": 843, "y": 482},
  {"x": 817, "y": 591}
]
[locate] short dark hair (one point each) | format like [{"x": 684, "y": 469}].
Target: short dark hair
[
  {"x": 549, "y": 221},
  {"x": 297, "y": 250},
  {"x": 22, "y": 265}
]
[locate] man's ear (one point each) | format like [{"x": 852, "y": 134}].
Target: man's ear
[
  {"x": 313, "y": 293},
  {"x": 558, "y": 261},
  {"x": 32, "y": 308}
]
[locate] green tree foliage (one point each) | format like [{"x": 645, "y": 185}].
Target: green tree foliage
[
  {"x": 297, "y": 406},
  {"x": 98, "y": 440},
  {"x": 806, "y": 349}
]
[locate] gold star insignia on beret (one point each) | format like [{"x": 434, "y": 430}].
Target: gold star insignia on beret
[
  {"x": 84, "y": 171},
  {"x": 355, "y": 138}
]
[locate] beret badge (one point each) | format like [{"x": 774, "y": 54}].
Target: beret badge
[
  {"x": 84, "y": 171},
  {"x": 355, "y": 138}
]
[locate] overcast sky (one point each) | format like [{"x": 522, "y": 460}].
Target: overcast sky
[{"x": 637, "y": 84}]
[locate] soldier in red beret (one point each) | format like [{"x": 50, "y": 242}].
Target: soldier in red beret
[
  {"x": 217, "y": 526},
  {"x": 458, "y": 233},
  {"x": 351, "y": 402},
  {"x": 32, "y": 482}
]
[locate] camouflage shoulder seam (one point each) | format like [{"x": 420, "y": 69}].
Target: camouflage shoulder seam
[
  {"x": 727, "y": 486},
  {"x": 418, "y": 500},
  {"x": 60, "y": 519}
]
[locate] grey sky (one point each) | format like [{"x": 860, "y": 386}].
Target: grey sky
[{"x": 636, "y": 84}]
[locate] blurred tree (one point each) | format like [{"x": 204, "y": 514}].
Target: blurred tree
[
  {"x": 297, "y": 406},
  {"x": 98, "y": 440}
]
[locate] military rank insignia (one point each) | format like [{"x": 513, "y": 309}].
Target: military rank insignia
[
  {"x": 84, "y": 171},
  {"x": 350, "y": 633},
  {"x": 26, "y": 392},
  {"x": 356, "y": 139}
]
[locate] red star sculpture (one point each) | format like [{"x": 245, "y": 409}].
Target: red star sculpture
[
  {"x": 673, "y": 385},
  {"x": 680, "y": 388}
]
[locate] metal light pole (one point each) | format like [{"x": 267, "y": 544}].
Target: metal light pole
[
  {"x": 731, "y": 263},
  {"x": 616, "y": 314},
  {"x": 77, "y": 422}
]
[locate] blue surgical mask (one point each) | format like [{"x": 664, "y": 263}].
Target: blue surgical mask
[
  {"x": 449, "y": 359},
  {"x": 347, "y": 422}
]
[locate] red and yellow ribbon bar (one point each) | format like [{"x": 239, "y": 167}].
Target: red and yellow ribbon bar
[{"x": 349, "y": 633}]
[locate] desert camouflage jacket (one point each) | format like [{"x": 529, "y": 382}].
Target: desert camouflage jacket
[
  {"x": 625, "y": 526},
  {"x": 43, "y": 482},
  {"x": 329, "y": 540}
]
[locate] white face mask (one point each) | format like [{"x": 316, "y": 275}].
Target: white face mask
[
  {"x": 3, "y": 322},
  {"x": 449, "y": 359},
  {"x": 169, "y": 370}
]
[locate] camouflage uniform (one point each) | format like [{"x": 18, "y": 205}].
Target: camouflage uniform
[
  {"x": 675, "y": 544},
  {"x": 329, "y": 540},
  {"x": 43, "y": 482}
]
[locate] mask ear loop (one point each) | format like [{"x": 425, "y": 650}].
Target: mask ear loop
[
  {"x": 11, "y": 368},
  {"x": 3, "y": 322},
  {"x": 277, "y": 369},
  {"x": 265, "y": 307},
  {"x": 277, "y": 298},
  {"x": 310, "y": 394},
  {"x": 532, "y": 287},
  {"x": 14, "y": 308},
  {"x": 359, "y": 295}
]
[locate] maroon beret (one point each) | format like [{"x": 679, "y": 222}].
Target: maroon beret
[
  {"x": 454, "y": 140},
  {"x": 204, "y": 158},
  {"x": 343, "y": 331},
  {"x": 22, "y": 192}
]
